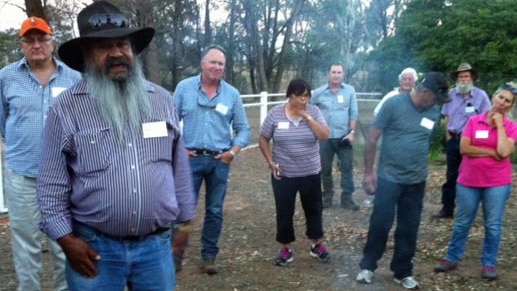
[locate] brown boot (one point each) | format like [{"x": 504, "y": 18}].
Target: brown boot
[{"x": 209, "y": 266}]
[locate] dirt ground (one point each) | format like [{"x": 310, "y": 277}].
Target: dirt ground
[{"x": 248, "y": 245}]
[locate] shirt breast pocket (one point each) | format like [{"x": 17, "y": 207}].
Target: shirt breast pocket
[
  {"x": 93, "y": 153},
  {"x": 161, "y": 148}
]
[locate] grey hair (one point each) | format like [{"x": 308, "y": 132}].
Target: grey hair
[
  {"x": 211, "y": 47},
  {"x": 408, "y": 71}
]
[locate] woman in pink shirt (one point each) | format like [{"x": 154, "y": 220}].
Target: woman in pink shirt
[{"x": 485, "y": 175}]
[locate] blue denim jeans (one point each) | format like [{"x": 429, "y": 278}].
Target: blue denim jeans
[
  {"x": 285, "y": 191},
  {"x": 215, "y": 174},
  {"x": 328, "y": 149},
  {"x": 24, "y": 215},
  {"x": 407, "y": 201},
  {"x": 140, "y": 265},
  {"x": 494, "y": 203}
]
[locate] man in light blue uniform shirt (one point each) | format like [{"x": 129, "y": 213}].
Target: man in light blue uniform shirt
[
  {"x": 216, "y": 129},
  {"x": 27, "y": 89},
  {"x": 338, "y": 103}
]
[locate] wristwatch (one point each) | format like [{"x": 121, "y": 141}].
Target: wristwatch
[{"x": 232, "y": 153}]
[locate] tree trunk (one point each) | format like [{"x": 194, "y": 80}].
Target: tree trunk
[
  {"x": 151, "y": 59},
  {"x": 298, "y": 5},
  {"x": 34, "y": 8},
  {"x": 208, "y": 27}
]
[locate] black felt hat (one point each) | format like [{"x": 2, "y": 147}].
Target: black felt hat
[{"x": 101, "y": 20}]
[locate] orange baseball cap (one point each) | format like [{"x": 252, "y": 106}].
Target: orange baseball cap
[{"x": 35, "y": 23}]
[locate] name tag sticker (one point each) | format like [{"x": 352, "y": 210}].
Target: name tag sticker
[
  {"x": 56, "y": 91},
  {"x": 481, "y": 134},
  {"x": 427, "y": 123},
  {"x": 283, "y": 125},
  {"x": 340, "y": 99},
  {"x": 470, "y": 109},
  {"x": 221, "y": 108},
  {"x": 154, "y": 129}
]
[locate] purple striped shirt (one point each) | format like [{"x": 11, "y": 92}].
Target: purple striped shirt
[
  {"x": 295, "y": 147},
  {"x": 120, "y": 188}
]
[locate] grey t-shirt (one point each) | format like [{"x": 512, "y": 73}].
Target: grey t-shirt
[{"x": 406, "y": 132}]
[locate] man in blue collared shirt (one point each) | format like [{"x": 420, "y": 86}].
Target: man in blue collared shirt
[
  {"x": 114, "y": 172},
  {"x": 216, "y": 129},
  {"x": 27, "y": 88},
  {"x": 338, "y": 103}
]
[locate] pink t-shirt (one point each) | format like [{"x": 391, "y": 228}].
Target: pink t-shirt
[{"x": 485, "y": 171}]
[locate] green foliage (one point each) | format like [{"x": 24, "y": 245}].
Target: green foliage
[
  {"x": 437, "y": 144},
  {"x": 438, "y": 35},
  {"x": 8, "y": 47}
]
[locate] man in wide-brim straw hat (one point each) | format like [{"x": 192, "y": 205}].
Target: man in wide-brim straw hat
[
  {"x": 466, "y": 100},
  {"x": 114, "y": 171},
  {"x": 465, "y": 67}
]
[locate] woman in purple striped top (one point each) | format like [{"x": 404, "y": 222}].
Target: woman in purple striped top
[{"x": 296, "y": 129}]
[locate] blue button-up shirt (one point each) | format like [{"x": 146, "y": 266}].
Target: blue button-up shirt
[
  {"x": 25, "y": 103},
  {"x": 211, "y": 123},
  {"x": 119, "y": 187},
  {"x": 338, "y": 109}
]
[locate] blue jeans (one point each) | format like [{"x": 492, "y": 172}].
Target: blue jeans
[
  {"x": 215, "y": 174},
  {"x": 345, "y": 155},
  {"x": 285, "y": 200},
  {"x": 468, "y": 199},
  {"x": 24, "y": 215},
  {"x": 140, "y": 265},
  {"x": 407, "y": 201}
]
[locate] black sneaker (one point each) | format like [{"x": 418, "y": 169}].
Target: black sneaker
[
  {"x": 443, "y": 214},
  {"x": 445, "y": 265},
  {"x": 284, "y": 258},
  {"x": 319, "y": 251}
]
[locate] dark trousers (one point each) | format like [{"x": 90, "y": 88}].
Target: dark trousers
[
  {"x": 453, "y": 165},
  {"x": 406, "y": 201},
  {"x": 285, "y": 200},
  {"x": 329, "y": 149}
]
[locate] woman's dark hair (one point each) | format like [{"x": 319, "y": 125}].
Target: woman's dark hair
[{"x": 298, "y": 87}]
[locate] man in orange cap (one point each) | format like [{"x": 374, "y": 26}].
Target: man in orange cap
[{"x": 27, "y": 89}]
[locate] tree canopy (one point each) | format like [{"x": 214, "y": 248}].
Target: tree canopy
[{"x": 270, "y": 41}]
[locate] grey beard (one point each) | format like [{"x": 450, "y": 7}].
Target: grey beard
[
  {"x": 123, "y": 103},
  {"x": 464, "y": 89}
]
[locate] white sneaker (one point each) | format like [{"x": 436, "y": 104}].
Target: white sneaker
[
  {"x": 408, "y": 282},
  {"x": 365, "y": 276}
]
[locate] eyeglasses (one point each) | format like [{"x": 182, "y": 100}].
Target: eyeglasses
[
  {"x": 107, "y": 20},
  {"x": 303, "y": 95},
  {"x": 33, "y": 41},
  {"x": 510, "y": 87}
]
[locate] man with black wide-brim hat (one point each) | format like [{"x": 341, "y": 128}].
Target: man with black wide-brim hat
[
  {"x": 466, "y": 100},
  {"x": 114, "y": 172}
]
